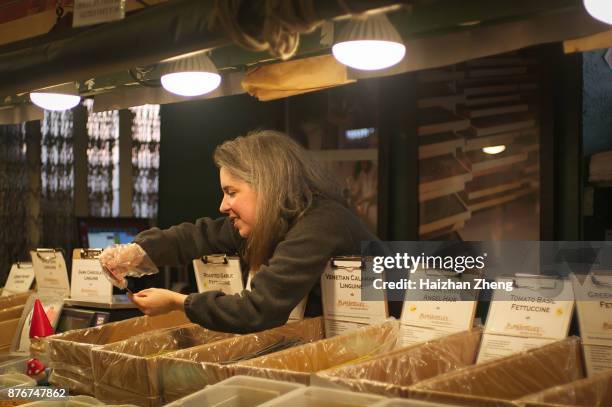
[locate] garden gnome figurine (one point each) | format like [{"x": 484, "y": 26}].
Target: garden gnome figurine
[{"x": 40, "y": 327}]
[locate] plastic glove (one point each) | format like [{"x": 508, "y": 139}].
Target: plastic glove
[{"x": 119, "y": 261}]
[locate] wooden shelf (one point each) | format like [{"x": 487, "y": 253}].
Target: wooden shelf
[
  {"x": 478, "y": 100},
  {"x": 441, "y": 213},
  {"x": 497, "y": 86},
  {"x": 440, "y": 75},
  {"x": 473, "y": 142},
  {"x": 501, "y": 61},
  {"x": 447, "y": 102},
  {"x": 440, "y": 144},
  {"x": 493, "y": 109},
  {"x": 492, "y": 184},
  {"x": 503, "y": 71},
  {"x": 352, "y": 154},
  {"x": 498, "y": 199},
  {"x": 443, "y": 175},
  {"x": 486, "y": 126},
  {"x": 482, "y": 163},
  {"x": 434, "y": 120}
]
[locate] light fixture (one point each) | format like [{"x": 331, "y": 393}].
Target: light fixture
[
  {"x": 60, "y": 97},
  {"x": 369, "y": 43},
  {"x": 494, "y": 149},
  {"x": 599, "y": 9},
  {"x": 190, "y": 75}
]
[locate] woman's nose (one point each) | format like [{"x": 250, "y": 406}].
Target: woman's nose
[{"x": 224, "y": 207}]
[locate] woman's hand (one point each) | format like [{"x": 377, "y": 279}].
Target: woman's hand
[{"x": 156, "y": 301}]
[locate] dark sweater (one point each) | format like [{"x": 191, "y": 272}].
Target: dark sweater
[{"x": 326, "y": 229}]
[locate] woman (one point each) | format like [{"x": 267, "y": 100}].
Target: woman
[{"x": 284, "y": 217}]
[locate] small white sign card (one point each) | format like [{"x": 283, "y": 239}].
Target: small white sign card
[
  {"x": 440, "y": 303},
  {"x": 88, "y": 280},
  {"x": 593, "y": 294},
  {"x": 344, "y": 308},
  {"x": 51, "y": 273},
  {"x": 297, "y": 314},
  {"x": 218, "y": 272},
  {"x": 19, "y": 280},
  {"x": 88, "y": 12},
  {"x": 537, "y": 311}
]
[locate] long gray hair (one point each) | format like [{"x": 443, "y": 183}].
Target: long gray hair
[{"x": 286, "y": 180}]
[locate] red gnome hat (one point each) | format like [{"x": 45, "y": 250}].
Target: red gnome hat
[{"x": 40, "y": 326}]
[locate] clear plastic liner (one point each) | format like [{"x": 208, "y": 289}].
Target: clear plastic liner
[
  {"x": 133, "y": 365},
  {"x": 297, "y": 364},
  {"x": 502, "y": 381},
  {"x": 238, "y": 391},
  {"x": 322, "y": 397},
  {"x": 126, "y": 260},
  {"x": 13, "y": 364},
  {"x": 69, "y": 353},
  {"x": 190, "y": 370},
  {"x": 594, "y": 391},
  {"x": 113, "y": 395},
  {"x": 72, "y": 401},
  {"x": 390, "y": 374},
  {"x": 15, "y": 380}
]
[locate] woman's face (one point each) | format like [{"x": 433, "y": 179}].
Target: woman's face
[{"x": 239, "y": 202}]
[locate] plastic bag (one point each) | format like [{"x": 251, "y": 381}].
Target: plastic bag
[
  {"x": 187, "y": 371},
  {"x": 69, "y": 353},
  {"x": 298, "y": 363},
  {"x": 126, "y": 260},
  {"x": 391, "y": 373}
]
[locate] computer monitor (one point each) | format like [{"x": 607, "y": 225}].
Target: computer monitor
[{"x": 98, "y": 233}]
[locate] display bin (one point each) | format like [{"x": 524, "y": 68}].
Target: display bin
[
  {"x": 13, "y": 364},
  {"x": 69, "y": 353},
  {"x": 9, "y": 313},
  {"x": 190, "y": 370},
  {"x": 237, "y": 391},
  {"x": 409, "y": 403},
  {"x": 390, "y": 374},
  {"x": 133, "y": 365},
  {"x": 297, "y": 364},
  {"x": 503, "y": 381},
  {"x": 594, "y": 391},
  {"x": 322, "y": 397},
  {"x": 14, "y": 300},
  {"x": 11, "y": 309},
  {"x": 8, "y": 329}
]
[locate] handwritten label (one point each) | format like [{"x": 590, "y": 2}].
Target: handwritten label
[
  {"x": 89, "y": 282},
  {"x": 19, "y": 280},
  {"x": 212, "y": 276},
  {"x": 51, "y": 273}
]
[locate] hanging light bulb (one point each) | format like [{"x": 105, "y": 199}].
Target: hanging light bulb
[
  {"x": 190, "y": 75},
  {"x": 494, "y": 149},
  {"x": 60, "y": 97},
  {"x": 369, "y": 43},
  {"x": 599, "y": 9}
]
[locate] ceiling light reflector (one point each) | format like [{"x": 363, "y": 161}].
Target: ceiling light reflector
[{"x": 369, "y": 43}]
